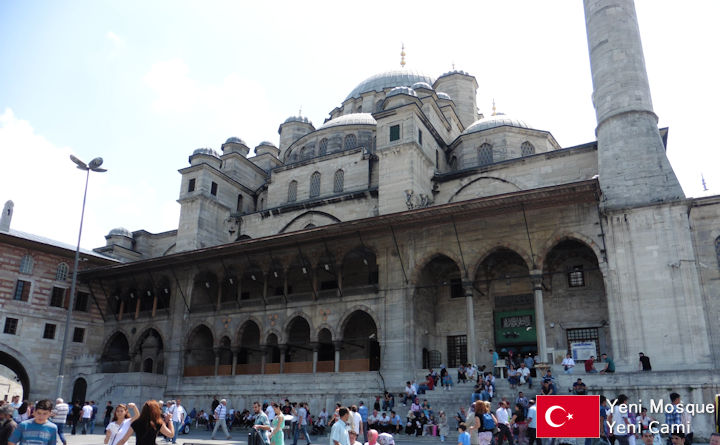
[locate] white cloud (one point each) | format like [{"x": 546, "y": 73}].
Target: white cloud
[
  {"x": 115, "y": 39},
  {"x": 233, "y": 106},
  {"x": 47, "y": 189}
]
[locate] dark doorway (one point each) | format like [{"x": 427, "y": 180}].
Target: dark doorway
[{"x": 79, "y": 390}]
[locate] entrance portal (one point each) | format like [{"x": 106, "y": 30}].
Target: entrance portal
[
  {"x": 79, "y": 391},
  {"x": 18, "y": 374}
]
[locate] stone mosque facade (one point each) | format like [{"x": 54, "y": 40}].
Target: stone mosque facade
[{"x": 407, "y": 231}]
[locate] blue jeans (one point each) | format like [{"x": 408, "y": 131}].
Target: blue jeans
[
  {"x": 60, "y": 432},
  {"x": 92, "y": 426},
  {"x": 302, "y": 428},
  {"x": 176, "y": 425},
  {"x": 85, "y": 425}
]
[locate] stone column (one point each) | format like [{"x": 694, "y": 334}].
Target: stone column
[
  {"x": 217, "y": 360},
  {"x": 283, "y": 350},
  {"x": 338, "y": 270},
  {"x": 133, "y": 357},
  {"x": 338, "y": 347},
  {"x": 470, "y": 309},
  {"x": 536, "y": 277},
  {"x": 315, "y": 348},
  {"x": 121, "y": 310},
  {"x": 263, "y": 358},
  {"x": 235, "y": 353}
]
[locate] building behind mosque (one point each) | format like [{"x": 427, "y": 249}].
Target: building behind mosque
[{"x": 407, "y": 231}]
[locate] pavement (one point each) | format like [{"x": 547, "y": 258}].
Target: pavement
[{"x": 239, "y": 437}]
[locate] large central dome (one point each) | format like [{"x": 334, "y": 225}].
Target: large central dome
[{"x": 389, "y": 79}]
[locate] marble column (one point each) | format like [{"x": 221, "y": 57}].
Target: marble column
[
  {"x": 263, "y": 358},
  {"x": 470, "y": 309},
  {"x": 235, "y": 353},
  {"x": 133, "y": 357},
  {"x": 338, "y": 347},
  {"x": 283, "y": 350},
  {"x": 217, "y": 360},
  {"x": 536, "y": 277},
  {"x": 315, "y": 349}
]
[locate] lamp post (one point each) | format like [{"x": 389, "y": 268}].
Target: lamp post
[{"x": 94, "y": 166}]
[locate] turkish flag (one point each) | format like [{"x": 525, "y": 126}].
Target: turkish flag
[{"x": 568, "y": 416}]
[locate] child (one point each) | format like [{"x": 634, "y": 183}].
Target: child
[
  {"x": 38, "y": 430},
  {"x": 464, "y": 436}
]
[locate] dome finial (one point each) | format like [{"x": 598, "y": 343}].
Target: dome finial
[
  {"x": 494, "y": 109},
  {"x": 402, "y": 56}
]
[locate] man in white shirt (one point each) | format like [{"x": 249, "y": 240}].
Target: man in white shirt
[
  {"x": 373, "y": 420},
  {"x": 301, "y": 424},
  {"x": 532, "y": 424},
  {"x": 220, "y": 415},
  {"x": 503, "y": 423},
  {"x": 409, "y": 393},
  {"x": 356, "y": 420},
  {"x": 86, "y": 416},
  {"x": 619, "y": 420},
  {"x": 59, "y": 417},
  {"x": 525, "y": 374},
  {"x": 339, "y": 433},
  {"x": 270, "y": 412},
  {"x": 178, "y": 418},
  {"x": 568, "y": 364}
]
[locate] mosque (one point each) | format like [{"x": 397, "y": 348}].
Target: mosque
[{"x": 407, "y": 231}]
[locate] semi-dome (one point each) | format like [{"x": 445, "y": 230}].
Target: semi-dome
[
  {"x": 402, "y": 90},
  {"x": 442, "y": 95},
  {"x": 422, "y": 85},
  {"x": 120, "y": 231},
  {"x": 499, "y": 120},
  {"x": 389, "y": 79},
  {"x": 302, "y": 119},
  {"x": 206, "y": 151},
  {"x": 268, "y": 143},
  {"x": 234, "y": 140},
  {"x": 350, "y": 119}
]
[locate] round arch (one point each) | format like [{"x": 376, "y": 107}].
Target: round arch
[
  {"x": 116, "y": 354},
  {"x": 559, "y": 237},
  {"x": 427, "y": 258},
  {"x": 361, "y": 349},
  {"x": 79, "y": 391},
  {"x": 505, "y": 245},
  {"x": 478, "y": 181},
  {"x": 349, "y": 312},
  {"x": 15, "y": 365},
  {"x": 291, "y": 319}
]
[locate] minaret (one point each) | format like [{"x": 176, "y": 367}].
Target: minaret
[
  {"x": 633, "y": 168},
  {"x": 6, "y": 216}
]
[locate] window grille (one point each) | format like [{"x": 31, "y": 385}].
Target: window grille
[
  {"x": 26, "y": 265},
  {"x": 22, "y": 290},
  {"x": 213, "y": 188},
  {"x": 457, "y": 350},
  {"x": 315, "y": 185},
  {"x": 81, "y": 301},
  {"x": 11, "y": 325},
  {"x": 350, "y": 141},
  {"x": 485, "y": 154},
  {"x": 62, "y": 272},
  {"x": 527, "y": 149},
  {"x": 292, "y": 191},
  {"x": 78, "y": 335},
  {"x": 394, "y": 133},
  {"x": 57, "y": 298},
  {"x": 323, "y": 147},
  {"x": 717, "y": 249},
  {"x": 339, "y": 182},
  {"x": 49, "y": 331},
  {"x": 576, "y": 277}
]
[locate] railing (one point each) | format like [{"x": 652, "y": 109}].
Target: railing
[
  {"x": 272, "y": 368},
  {"x": 351, "y": 365},
  {"x": 297, "y": 367},
  {"x": 355, "y": 365},
  {"x": 196, "y": 371},
  {"x": 247, "y": 369},
  {"x": 225, "y": 370},
  {"x": 326, "y": 366}
]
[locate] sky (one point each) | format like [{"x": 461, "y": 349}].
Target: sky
[{"x": 143, "y": 84}]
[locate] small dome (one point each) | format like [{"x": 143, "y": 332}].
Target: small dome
[
  {"x": 120, "y": 231},
  {"x": 499, "y": 120},
  {"x": 402, "y": 90},
  {"x": 442, "y": 95},
  {"x": 302, "y": 119},
  {"x": 350, "y": 119},
  {"x": 235, "y": 140},
  {"x": 268, "y": 143},
  {"x": 421, "y": 85},
  {"x": 389, "y": 79},
  {"x": 206, "y": 151}
]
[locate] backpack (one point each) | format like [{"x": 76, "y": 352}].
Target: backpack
[{"x": 488, "y": 423}]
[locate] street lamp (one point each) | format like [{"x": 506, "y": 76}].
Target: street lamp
[{"x": 94, "y": 166}]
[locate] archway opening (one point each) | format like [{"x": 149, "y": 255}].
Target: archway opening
[
  {"x": 298, "y": 357},
  {"x": 18, "y": 381},
  {"x": 200, "y": 357},
  {"x": 79, "y": 391},
  {"x": 150, "y": 345},
  {"x": 326, "y": 351},
  {"x": 272, "y": 358},
  {"x": 361, "y": 350},
  {"x": 147, "y": 365},
  {"x": 438, "y": 300},
  {"x": 225, "y": 367},
  {"x": 116, "y": 355},
  {"x": 249, "y": 360}
]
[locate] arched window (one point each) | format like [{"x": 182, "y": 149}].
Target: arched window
[
  {"x": 323, "y": 147},
  {"x": 315, "y": 185},
  {"x": 453, "y": 164},
  {"x": 292, "y": 191},
  {"x": 303, "y": 153},
  {"x": 717, "y": 249},
  {"x": 62, "y": 272},
  {"x": 239, "y": 206},
  {"x": 527, "y": 149},
  {"x": 485, "y": 154},
  {"x": 339, "y": 181},
  {"x": 26, "y": 265},
  {"x": 350, "y": 141}
]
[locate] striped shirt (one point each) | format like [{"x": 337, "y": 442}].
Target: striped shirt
[
  {"x": 60, "y": 413},
  {"x": 221, "y": 412}
]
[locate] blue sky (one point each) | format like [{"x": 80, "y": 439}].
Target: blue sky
[{"x": 143, "y": 84}]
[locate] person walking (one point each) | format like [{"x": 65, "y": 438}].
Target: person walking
[
  {"x": 276, "y": 426},
  {"x": 93, "y": 416},
  {"x": 339, "y": 433},
  {"x": 302, "y": 424},
  {"x": 119, "y": 423},
  {"x": 147, "y": 426},
  {"x": 59, "y": 417},
  {"x": 178, "y": 418},
  {"x": 86, "y": 416},
  {"x": 220, "y": 414},
  {"x": 38, "y": 430},
  {"x": 7, "y": 424},
  {"x": 108, "y": 414},
  {"x": 261, "y": 421}
]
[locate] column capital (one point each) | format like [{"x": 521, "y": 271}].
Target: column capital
[
  {"x": 217, "y": 351},
  {"x": 536, "y": 277},
  {"x": 315, "y": 346},
  {"x": 468, "y": 288},
  {"x": 236, "y": 349},
  {"x": 283, "y": 347},
  {"x": 337, "y": 344}
]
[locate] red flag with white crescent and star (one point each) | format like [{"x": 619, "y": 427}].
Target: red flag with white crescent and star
[{"x": 568, "y": 416}]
